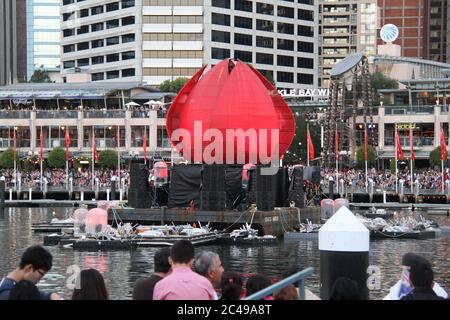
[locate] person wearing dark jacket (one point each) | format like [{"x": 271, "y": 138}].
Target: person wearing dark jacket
[{"x": 421, "y": 278}]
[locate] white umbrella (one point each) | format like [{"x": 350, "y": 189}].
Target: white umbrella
[
  {"x": 150, "y": 102},
  {"x": 132, "y": 104}
]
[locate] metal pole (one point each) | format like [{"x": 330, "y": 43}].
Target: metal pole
[
  {"x": 321, "y": 137},
  {"x": 395, "y": 151},
  {"x": 442, "y": 163},
  {"x": 93, "y": 159},
  {"x": 412, "y": 173},
  {"x": 366, "y": 174},
  {"x": 67, "y": 175},
  {"x": 15, "y": 174},
  {"x": 307, "y": 145},
  {"x": 337, "y": 176}
]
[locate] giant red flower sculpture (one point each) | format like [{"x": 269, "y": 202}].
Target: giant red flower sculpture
[{"x": 232, "y": 115}]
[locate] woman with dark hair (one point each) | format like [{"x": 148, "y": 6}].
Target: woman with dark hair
[
  {"x": 256, "y": 283},
  {"x": 344, "y": 289},
  {"x": 90, "y": 286},
  {"x": 231, "y": 286}
]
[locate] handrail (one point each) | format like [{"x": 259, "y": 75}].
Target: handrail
[{"x": 299, "y": 276}]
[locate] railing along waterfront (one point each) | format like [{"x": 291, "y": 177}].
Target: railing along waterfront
[
  {"x": 94, "y": 114},
  {"x": 299, "y": 277},
  {"x": 14, "y": 114},
  {"x": 56, "y": 114}
]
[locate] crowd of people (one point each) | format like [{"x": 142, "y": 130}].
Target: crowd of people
[
  {"x": 179, "y": 274},
  {"x": 57, "y": 177},
  {"x": 426, "y": 178}
]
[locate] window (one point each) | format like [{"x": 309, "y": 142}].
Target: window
[
  {"x": 112, "y": 41},
  {"x": 241, "y": 22},
  {"x": 284, "y": 44},
  {"x": 128, "y": 55},
  {"x": 112, "y": 24},
  {"x": 127, "y": 4},
  {"x": 128, "y": 38},
  {"x": 243, "y": 39},
  {"x": 305, "y": 63},
  {"x": 220, "y": 36},
  {"x": 243, "y": 5},
  {"x": 285, "y": 77},
  {"x": 97, "y": 43},
  {"x": 84, "y": 13},
  {"x": 69, "y": 48},
  {"x": 97, "y": 27},
  {"x": 219, "y": 53},
  {"x": 221, "y": 3},
  {"x": 127, "y": 21},
  {"x": 112, "y": 6},
  {"x": 68, "y": 32},
  {"x": 83, "y": 29},
  {"x": 268, "y": 74},
  {"x": 305, "y": 31},
  {"x": 286, "y": 61},
  {"x": 112, "y": 74},
  {"x": 286, "y": 28},
  {"x": 68, "y": 16},
  {"x": 264, "y": 58},
  {"x": 305, "y": 15},
  {"x": 96, "y": 10},
  {"x": 264, "y": 42},
  {"x": 285, "y": 12},
  {"x": 222, "y": 19},
  {"x": 245, "y": 56},
  {"x": 83, "y": 62},
  {"x": 305, "y": 46},
  {"x": 128, "y": 72},
  {"x": 83, "y": 46},
  {"x": 264, "y": 25},
  {"x": 310, "y": 2},
  {"x": 69, "y": 64},
  {"x": 97, "y": 76},
  {"x": 66, "y": 2},
  {"x": 97, "y": 60},
  {"x": 112, "y": 57},
  {"x": 264, "y": 8},
  {"x": 305, "y": 78}
]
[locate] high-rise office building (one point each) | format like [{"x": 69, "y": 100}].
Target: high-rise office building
[
  {"x": 346, "y": 27},
  {"x": 43, "y": 36},
  {"x": 435, "y": 30},
  {"x": 158, "y": 40},
  {"x": 12, "y": 41}
]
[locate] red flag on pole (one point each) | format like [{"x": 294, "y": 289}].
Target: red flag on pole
[
  {"x": 118, "y": 138},
  {"x": 443, "y": 146},
  {"x": 41, "y": 145},
  {"x": 15, "y": 146},
  {"x": 67, "y": 144},
  {"x": 310, "y": 145},
  {"x": 95, "y": 147},
  {"x": 399, "y": 146},
  {"x": 411, "y": 143},
  {"x": 145, "y": 145},
  {"x": 336, "y": 142},
  {"x": 366, "y": 146}
]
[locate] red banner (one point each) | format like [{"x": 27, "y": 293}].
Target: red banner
[
  {"x": 67, "y": 144},
  {"x": 95, "y": 147},
  {"x": 411, "y": 143},
  {"x": 366, "y": 146},
  {"x": 41, "y": 146},
  {"x": 443, "y": 146},
  {"x": 15, "y": 145},
  {"x": 336, "y": 142},
  {"x": 399, "y": 150},
  {"x": 145, "y": 145},
  {"x": 310, "y": 145}
]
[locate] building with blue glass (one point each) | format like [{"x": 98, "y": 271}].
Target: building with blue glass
[{"x": 43, "y": 36}]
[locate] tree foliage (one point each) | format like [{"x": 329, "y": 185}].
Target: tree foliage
[
  {"x": 108, "y": 158},
  {"x": 57, "y": 158},
  {"x": 40, "y": 76},
  {"x": 379, "y": 81},
  {"x": 173, "y": 86},
  {"x": 371, "y": 153},
  {"x": 7, "y": 159},
  {"x": 435, "y": 158}
]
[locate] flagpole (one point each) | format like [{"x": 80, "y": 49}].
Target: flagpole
[
  {"x": 15, "y": 161},
  {"x": 41, "y": 156},
  {"x": 337, "y": 160},
  {"x": 93, "y": 158},
  {"x": 395, "y": 151},
  {"x": 365, "y": 153},
  {"x": 118, "y": 153},
  {"x": 411, "y": 157},
  {"x": 307, "y": 144},
  {"x": 442, "y": 164}
]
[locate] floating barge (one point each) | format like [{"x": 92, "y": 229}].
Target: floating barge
[{"x": 50, "y": 227}]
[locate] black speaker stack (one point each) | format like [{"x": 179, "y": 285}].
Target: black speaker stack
[
  {"x": 139, "y": 194},
  {"x": 213, "y": 195},
  {"x": 296, "y": 192},
  {"x": 266, "y": 185}
]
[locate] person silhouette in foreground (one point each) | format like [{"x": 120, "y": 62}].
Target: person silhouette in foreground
[
  {"x": 25, "y": 290},
  {"x": 90, "y": 286},
  {"x": 344, "y": 289},
  {"x": 34, "y": 264},
  {"x": 403, "y": 286},
  {"x": 421, "y": 281}
]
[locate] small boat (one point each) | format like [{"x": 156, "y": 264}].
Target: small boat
[{"x": 246, "y": 235}]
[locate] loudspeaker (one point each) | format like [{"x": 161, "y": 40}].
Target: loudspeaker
[
  {"x": 213, "y": 177},
  {"x": 139, "y": 199},
  {"x": 213, "y": 200},
  {"x": 315, "y": 175},
  {"x": 265, "y": 200},
  {"x": 298, "y": 196},
  {"x": 297, "y": 178}
]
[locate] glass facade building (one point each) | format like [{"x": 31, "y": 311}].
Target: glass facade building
[{"x": 43, "y": 35}]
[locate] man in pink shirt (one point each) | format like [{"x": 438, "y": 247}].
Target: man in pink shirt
[{"x": 183, "y": 283}]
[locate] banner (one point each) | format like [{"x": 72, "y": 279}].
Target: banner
[
  {"x": 41, "y": 146},
  {"x": 399, "y": 146},
  {"x": 67, "y": 144},
  {"x": 366, "y": 146},
  {"x": 411, "y": 143},
  {"x": 310, "y": 145},
  {"x": 443, "y": 146},
  {"x": 336, "y": 142}
]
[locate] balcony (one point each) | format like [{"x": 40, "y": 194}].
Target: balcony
[
  {"x": 14, "y": 114},
  {"x": 100, "y": 114},
  {"x": 407, "y": 110},
  {"x": 57, "y": 114},
  {"x": 417, "y": 141},
  {"x": 102, "y": 143}
]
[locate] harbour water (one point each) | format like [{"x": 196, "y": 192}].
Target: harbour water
[{"x": 122, "y": 268}]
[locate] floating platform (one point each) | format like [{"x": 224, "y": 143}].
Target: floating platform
[
  {"x": 226, "y": 239},
  {"x": 50, "y": 227}
]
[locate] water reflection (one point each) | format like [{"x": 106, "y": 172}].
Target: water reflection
[{"x": 121, "y": 268}]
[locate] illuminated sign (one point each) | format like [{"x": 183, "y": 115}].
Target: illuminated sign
[
  {"x": 318, "y": 92},
  {"x": 406, "y": 126},
  {"x": 389, "y": 33}
]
